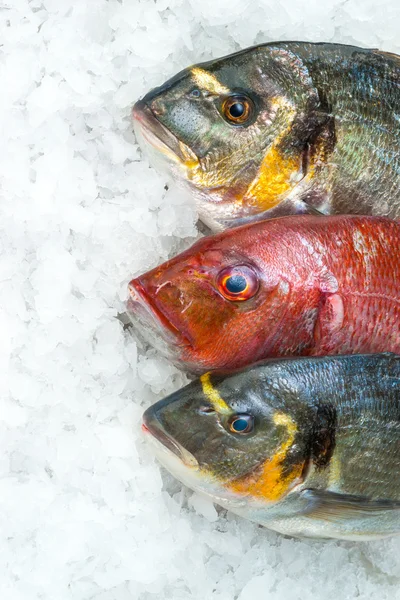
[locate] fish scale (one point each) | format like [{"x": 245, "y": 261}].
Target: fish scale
[
  {"x": 326, "y": 285},
  {"x": 321, "y": 456},
  {"x": 322, "y": 134}
]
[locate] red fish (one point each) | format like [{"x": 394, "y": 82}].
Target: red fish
[{"x": 304, "y": 285}]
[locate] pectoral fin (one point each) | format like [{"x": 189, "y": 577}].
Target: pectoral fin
[
  {"x": 331, "y": 506},
  {"x": 388, "y": 55},
  {"x": 302, "y": 207},
  {"x": 330, "y": 317},
  {"x": 311, "y": 210}
]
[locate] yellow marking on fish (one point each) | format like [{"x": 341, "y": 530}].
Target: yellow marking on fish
[
  {"x": 279, "y": 172},
  {"x": 271, "y": 481},
  {"x": 208, "y": 82},
  {"x": 213, "y": 396},
  {"x": 277, "y": 176}
]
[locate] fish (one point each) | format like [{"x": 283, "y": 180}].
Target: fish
[
  {"x": 302, "y": 285},
  {"x": 308, "y": 447},
  {"x": 280, "y": 128}
]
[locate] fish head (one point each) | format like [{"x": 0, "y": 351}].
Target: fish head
[
  {"x": 234, "y": 129},
  {"x": 222, "y": 436},
  {"x": 216, "y": 305}
]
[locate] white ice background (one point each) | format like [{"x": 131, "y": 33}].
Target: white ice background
[{"x": 85, "y": 513}]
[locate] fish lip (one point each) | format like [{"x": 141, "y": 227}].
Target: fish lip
[
  {"x": 139, "y": 295},
  {"x": 152, "y": 425},
  {"x": 157, "y": 134}
]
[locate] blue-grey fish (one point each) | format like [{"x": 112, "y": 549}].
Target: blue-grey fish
[
  {"x": 281, "y": 128},
  {"x": 307, "y": 446}
]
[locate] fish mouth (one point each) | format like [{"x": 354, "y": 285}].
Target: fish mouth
[
  {"x": 152, "y": 425},
  {"x": 138, "y": 297},
  {"x": 183, "y": 465},
  {"x": 159, "y": 137}
]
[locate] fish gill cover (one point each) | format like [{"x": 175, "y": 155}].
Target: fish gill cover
[{"x": 84, "y": 511}]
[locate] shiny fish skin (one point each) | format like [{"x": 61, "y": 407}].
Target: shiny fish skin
[
  {"x": 323, "y": 135},
  {"x": 322, "y": 459},
  {"x": 327, "y": 285}
]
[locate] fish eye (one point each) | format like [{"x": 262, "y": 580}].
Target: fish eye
[
  {"x": 241, "y": 424},
  {"x": 195, "y": 93},
  {"x": 238, "y": 109},
  {"x": 238, "y": 283}
]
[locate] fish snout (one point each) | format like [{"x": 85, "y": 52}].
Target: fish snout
[
  {"x": 157, "y": 106},
  {"x": 137, "y": 110},
  {"x": 143, "y": 111},
  {"x": 152, "y": 425},
  {"x": 153, "y": 133},
  {"x": 159, "y": 303},
  {"x": 139, "y": 302},
  {"x": 141, "y": 296},
  {"x": 136, "y": 291},
  {"x": 146, "y": 292}
]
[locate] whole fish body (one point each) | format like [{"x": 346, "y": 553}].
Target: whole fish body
[
  {"x": 281, "y": 128},
  {"x": 303, "y": 285},
  {"x": 306, "y": 446}
]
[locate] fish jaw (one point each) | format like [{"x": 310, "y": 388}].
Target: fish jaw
[
  {"x": 152, "y": 426},
  {"x": 184, "y": 466},
  {"x": 164, "y": 148},
  {"x": 153, "y": 324}
]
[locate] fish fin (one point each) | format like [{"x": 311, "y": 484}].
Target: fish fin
[
  {"x": 311, "y": 210},
  {"x": 330, "y": 317},
  {"x": 331, "y": 506},
  {"x": 390, "y": 55},
  {"x": 302, "y": 207},
  {"x": 292, "y": 205}
]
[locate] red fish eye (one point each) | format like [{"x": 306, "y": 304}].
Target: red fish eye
[{"x": 238, "y": 283}]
